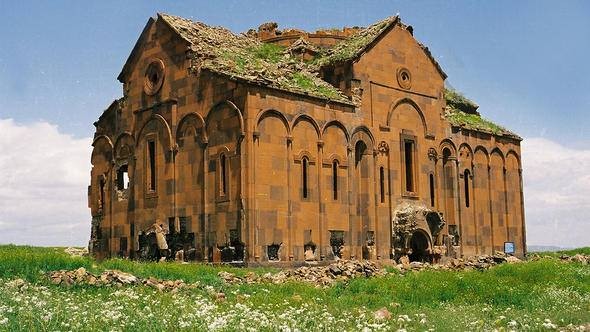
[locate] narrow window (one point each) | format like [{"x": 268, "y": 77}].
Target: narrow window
[
  {"x": 409, "y": 163},
  {"x": 172, "y": 225},
  {"x": 223, "y": 175},
  {"x": 122, "y": 246},
  {"x": 432, "y": 190},
  {"x": 152, "y": 165},
  {"x": 335, "y": 179},
  {"x": 382, "y": 183},
  {"x": 102, "y": 184},
  {"x": 122, "y": 178},
  {"x": 304, "y": 166},
  {"x": 466, "y": 180}
]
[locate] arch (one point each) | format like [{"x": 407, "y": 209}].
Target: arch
[
  {"x": 101, "y": 137},
  {"x": 305, "y": 154},
  {"x": 483, "y": 150},
  {"x": 499, "y": 153},
  {"x": 272, "y": 113},
  {"x": 465, "y": 145},
  {"x": 304, "y": 117},
  {"x": 415, "y": 106},
  {"x": 193, "y": 115},
  {"x": 447, "y": 143},
  {"x": 96, "y": 144},
  {"x": 338, "y": 124},
  {"x": 119, "y": 141},
  {"x": 336, "y": 157},
  {"x": 420, "y": 243},
  {"x": 231, "y": 106},
  {"x": 513, "y": 153},
  {"x": 363, "y": 129},
  {"x": 156, "y": 117}
]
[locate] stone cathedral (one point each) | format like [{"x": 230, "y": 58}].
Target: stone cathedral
[{"x": 285, "y": 146}]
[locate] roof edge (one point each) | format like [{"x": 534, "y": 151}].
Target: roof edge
[
  {"x": 133, "y": 54},
  {"x": 246, "y": 81}
]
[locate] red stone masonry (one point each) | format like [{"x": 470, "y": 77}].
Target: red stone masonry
[{"x": 240, "y": 166}]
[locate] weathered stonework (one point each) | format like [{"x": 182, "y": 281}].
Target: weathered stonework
[{"x": 303, "y": 155}]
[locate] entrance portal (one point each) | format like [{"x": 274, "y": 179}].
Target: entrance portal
[{"x": 419, "y": 246}]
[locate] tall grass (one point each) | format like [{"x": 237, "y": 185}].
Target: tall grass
[{"x": 527, "y": 293}]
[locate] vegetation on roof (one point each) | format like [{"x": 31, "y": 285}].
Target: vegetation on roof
[
  {"x": 351, "y": 47},
  {"x": 219, "y": 50},
  {"x": 457, "y": 101},
  {"x": 462, "y": 112}
]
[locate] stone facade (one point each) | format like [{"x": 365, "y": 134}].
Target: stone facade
[{"x": 237, "y": 168}]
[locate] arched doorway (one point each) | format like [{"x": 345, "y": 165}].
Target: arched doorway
[{"x": 419, "y": 244}]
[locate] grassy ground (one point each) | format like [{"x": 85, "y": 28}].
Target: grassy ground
[{"x": 538, "y": 295}]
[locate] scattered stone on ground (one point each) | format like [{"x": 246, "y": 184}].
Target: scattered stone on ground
[
  {"x": 76, "y": 252},
  {"x": 343, "y": 270},
  {"x": 382, "y": 314},
  {"x": 111, "y": 278},
  {"x": 320, "y": 275}
]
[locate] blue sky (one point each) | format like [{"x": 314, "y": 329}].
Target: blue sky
[{"x": 525, "y": 63}]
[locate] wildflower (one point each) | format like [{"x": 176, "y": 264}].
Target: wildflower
[{"x": 4, "y": 321}]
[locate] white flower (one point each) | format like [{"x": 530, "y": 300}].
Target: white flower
[{"x": 4, "y": 321}]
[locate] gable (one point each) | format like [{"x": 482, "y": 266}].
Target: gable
[
  {"x": 396, "y": 54},
  {"x": 153, "y": 30}
]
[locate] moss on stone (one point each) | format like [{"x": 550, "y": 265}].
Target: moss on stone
[
  {"x": 462, "y": 112},
  {"x": 457, "y": 101},
  {"x": 219, "y": 50},
  {"x": 351, "y": 47}
]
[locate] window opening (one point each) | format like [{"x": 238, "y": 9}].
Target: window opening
[
  {"x": 304, "y": 165},
  {"x": 335, "y": 179},
  {"x": 432, "y": 190},
  {"x": 152, "y": 165},
  {"x": 123, "y": 178},
  {"x": 409, "y": 163},
  {"x": 466, "y": 181},
  {"x": 382, "y": 183},
  {"x": 223, "y": 175}
]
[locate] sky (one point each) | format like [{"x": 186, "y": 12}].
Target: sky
[{"x": 524, "y": 62}]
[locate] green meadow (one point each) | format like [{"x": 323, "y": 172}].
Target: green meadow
[{"x": 537, "y": 295}]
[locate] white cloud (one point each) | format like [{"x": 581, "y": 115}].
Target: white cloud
[
  {"x": 43, "y": 179},
  {"x": 44, "y": 176},
  {"x": 556, "y": 193}
]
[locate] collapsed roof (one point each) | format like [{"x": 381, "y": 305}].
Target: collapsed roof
[
  {"x": 239, "y": 56},
  {"x": 247, "y": 58}
]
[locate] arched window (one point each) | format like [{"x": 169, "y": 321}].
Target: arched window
[
  {"x": 304, "y": 170},
  {"x": 382, "y": 183},
  {"x": 335, "y": 179},
  {"x": 466, "y": 181},
  {"x": 222, "y": 174},
  {"x": 432, "y": 190},
  {"x": 152, "y": 165},
  {"x": 409, "y": 164}
]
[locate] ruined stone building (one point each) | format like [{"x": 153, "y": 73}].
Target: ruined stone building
[{"x": 285, "y": 145}]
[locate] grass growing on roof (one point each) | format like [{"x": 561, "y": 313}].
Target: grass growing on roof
[
  {"x": 462, "y": 112},
  {"x": 458, "y": 101},
  {"x": 472, "y": 121},
  {"x": 349, "y": 48}
]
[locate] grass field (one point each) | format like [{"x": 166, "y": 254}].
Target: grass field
[{"x": 539, "y": 295}]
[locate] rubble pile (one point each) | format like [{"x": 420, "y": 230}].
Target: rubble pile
[
  {"x": 481, "y": 262},
  {"x": 76, "y": 252},
  {"x": 111, "y": 278},
  {"x": 341, "y": 270},
  {"x": 580, "y": 258}
]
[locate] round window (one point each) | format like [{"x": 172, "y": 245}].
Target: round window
[
  {"x": 154, "y": 77},
  {"x": 404, "y": 79}
]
